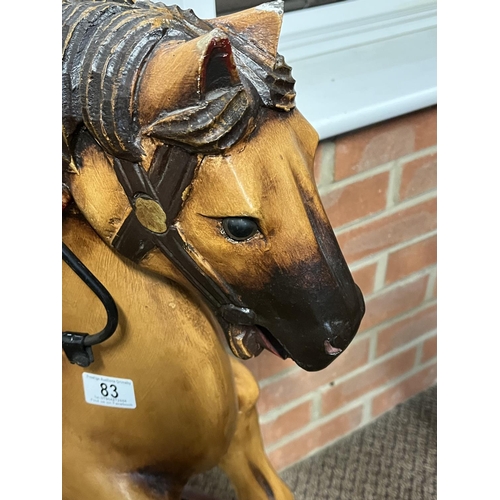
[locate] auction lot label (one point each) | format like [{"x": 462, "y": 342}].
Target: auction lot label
[{"x": 108, "y": 391}]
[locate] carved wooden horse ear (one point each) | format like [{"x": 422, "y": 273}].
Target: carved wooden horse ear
[
  {"x": 189, "y": 171},
  {"x": 259, "y": 26}
]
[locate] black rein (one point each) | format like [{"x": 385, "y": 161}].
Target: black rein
[{"x": 78, "y": 346}]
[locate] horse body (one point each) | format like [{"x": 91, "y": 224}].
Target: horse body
[
  {"x": 195, "y": 404},
  {"x": 184, "y": 387},
  {"x": 194, "y": 203}
]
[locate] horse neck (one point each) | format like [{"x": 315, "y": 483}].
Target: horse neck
[{"x": 159, "y": 319}]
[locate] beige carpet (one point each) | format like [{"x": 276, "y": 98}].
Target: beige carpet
[{"x": 393, "y": 458}]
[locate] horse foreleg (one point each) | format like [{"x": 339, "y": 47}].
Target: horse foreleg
[{"x": 245, "y": 462}]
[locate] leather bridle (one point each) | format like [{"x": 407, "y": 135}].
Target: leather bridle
[{"x": 171, "y": 172}]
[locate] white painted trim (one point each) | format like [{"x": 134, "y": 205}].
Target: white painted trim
[
  {"x": 363, "y": 62},
  {"x": 357, "y": 62},
  {"x": 321, "y": 29},
  {"x": 204, "y": 9}
]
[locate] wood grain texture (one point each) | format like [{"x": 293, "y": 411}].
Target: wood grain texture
[{"x": 172, "y": 126}]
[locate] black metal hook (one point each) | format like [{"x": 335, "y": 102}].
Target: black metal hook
[{"x": 78, "y": 346}]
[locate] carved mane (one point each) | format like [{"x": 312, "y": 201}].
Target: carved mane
[{"x": 237, "y": 77}]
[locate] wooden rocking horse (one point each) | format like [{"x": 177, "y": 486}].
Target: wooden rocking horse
[{"x": 189, "y": 211}]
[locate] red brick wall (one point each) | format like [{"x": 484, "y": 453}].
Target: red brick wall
[{"x": 378, "y": 186}]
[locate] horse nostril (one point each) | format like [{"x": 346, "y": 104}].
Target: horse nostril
[{"x": 330, "y": 350}]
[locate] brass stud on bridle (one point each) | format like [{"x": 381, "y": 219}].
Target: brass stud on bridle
[{"x": 150, "y": 214}]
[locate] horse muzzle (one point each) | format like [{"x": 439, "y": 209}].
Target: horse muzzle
[
  {"x": 318, "y": 337},
  {"x": 313, "y": 327}
]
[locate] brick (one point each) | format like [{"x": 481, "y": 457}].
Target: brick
[
  {"x": 425, "y": 122},
  {"x": 300, "y": 383},
  {"x": 403, "y": 390},
  {"x": 369, "y": 147},
  {"x": 429, "y": 349},
  {"x": 267, "y": 364},
  {"x": 364, "y": 277},
  {"x": 357, "y": 200},
  {"x": 286, "y": 423},
  {"x": 411, "y": 259},
  {"x": 372, "y": 146},
  {"x": 386, "y": 231},
  {"x": 406, "y": 330},
  {"x": 391, "y": 303},
  {"x": 418, "y": 176},
  {"x": 370, "y": 379},
  {"x": 316, "y": 438}
]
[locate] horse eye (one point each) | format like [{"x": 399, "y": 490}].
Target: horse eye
[{"x": 239, "y": 228}]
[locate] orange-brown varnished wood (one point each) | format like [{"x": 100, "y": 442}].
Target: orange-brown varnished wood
[
  {"x": 252, "y": 475},
  {"x": 105, "y": 205},
  {"x": 186, "y": 402},
  {"x": 167, "y": 137},
  {"x": 260, "y": 26},
  {"x": 181, "y": 61},
  {"x": 189, "y": 402},
  {"x": 226, "y": 186}
]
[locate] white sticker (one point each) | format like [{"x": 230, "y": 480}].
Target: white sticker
[{"x": 108, "y": 391}]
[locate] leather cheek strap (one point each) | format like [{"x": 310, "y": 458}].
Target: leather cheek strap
[{"x": 171, "y": 172}]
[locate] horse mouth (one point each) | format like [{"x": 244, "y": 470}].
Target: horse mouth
[
  {"x": 271, "y": 343},
  {"x": 249, "y": 341}
]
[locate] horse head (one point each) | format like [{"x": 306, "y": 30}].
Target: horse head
[{"x": 183, "y": 149}]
